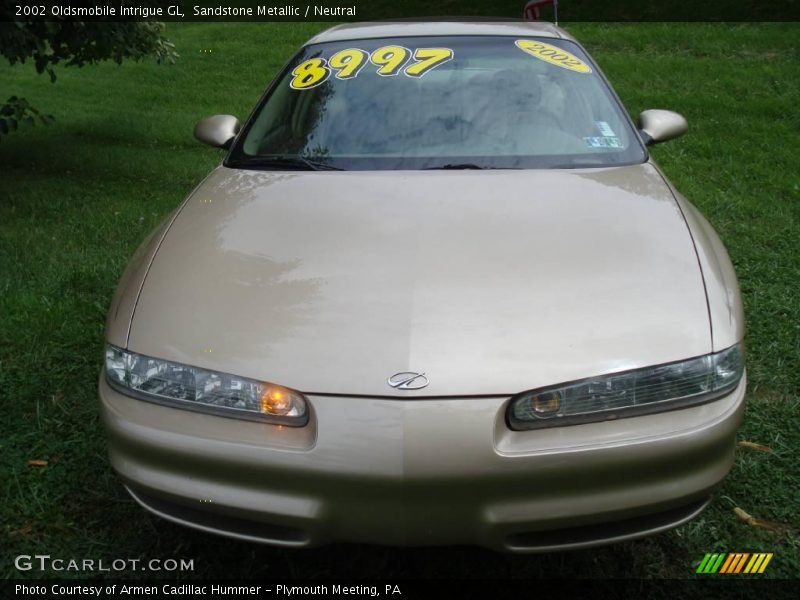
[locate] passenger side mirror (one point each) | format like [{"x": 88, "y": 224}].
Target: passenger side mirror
[
  {"x": 217, "y": 131},
  {"x": 658, "y": 126}
]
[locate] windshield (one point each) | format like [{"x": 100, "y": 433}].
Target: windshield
[{"x": 439, "y": 102}]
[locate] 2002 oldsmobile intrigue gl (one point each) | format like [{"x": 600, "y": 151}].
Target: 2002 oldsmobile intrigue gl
[{"x": 437, "y": 292}]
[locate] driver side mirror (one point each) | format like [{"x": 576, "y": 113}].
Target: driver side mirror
[
  {"x": 217, "y": 131},
  {"x": 658, "y": 126}
]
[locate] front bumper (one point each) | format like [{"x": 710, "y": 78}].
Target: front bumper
[{"x": 422, "y": 472}]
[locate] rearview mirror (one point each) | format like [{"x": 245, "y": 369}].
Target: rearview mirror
[
  {"x": 217, "y": 131},
  {"x": 659, "y": 126}
]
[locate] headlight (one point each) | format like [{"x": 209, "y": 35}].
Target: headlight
[
  {"x": 648, "y": 390},
  {"x": 192, "y": 388}
]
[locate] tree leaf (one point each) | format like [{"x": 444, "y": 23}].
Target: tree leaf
[
  {"x": 754, "y": 446},
  {"x": 756, "y": 522}
]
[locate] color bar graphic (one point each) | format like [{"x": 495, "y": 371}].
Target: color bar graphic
[{"x": 734, "y": 562}]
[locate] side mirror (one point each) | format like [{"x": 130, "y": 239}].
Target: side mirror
[
  {"x": 659, "y": 126},
  {"x": 217, "y": 131}
]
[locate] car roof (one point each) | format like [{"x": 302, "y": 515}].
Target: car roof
[{"x": 380, "y": 29}]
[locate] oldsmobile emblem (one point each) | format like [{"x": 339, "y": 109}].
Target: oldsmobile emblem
[{"x": 408, "y": 381}]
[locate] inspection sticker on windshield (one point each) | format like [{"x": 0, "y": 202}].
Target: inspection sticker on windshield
[
  {"x": 553, "y": 55},
  {"x": 389, "y": 60},
  {"x": 605, "y": 129},
  {"x": 603, "y": 142}
]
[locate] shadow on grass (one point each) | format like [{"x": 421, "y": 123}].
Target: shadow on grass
[{"x": 106, "y": 152}]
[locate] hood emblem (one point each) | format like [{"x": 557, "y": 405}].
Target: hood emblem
[{"x": 408, "y": 381}]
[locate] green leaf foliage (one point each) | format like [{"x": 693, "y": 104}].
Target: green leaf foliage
[{"x": 73, "y": 43}]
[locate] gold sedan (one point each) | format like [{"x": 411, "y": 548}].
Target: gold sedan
[{"x": 436, "y": 293}]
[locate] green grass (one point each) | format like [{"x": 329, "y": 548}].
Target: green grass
[{"x": 77, "y": 197}]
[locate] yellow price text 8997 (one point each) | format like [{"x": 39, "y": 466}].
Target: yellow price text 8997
[{"x": 348, "y": 63}]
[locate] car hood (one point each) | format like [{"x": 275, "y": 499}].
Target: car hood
[{"x": 489, "y": 282}]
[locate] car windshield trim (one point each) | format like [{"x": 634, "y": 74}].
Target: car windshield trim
[{"x": 298, "y": 162}]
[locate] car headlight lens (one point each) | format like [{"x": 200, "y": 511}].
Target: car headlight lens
[
  {"x": 192, "y": 388},
  {"x": 647, "y": 390}
]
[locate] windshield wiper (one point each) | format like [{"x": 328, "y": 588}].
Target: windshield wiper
[
  {"x": 290, "y": 162},
  {"x": 455, "y": 166}
]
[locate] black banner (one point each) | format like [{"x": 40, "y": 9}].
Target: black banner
[
  {"x": 365, "y": 10},
  {"x": 714, "y": 587}
]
